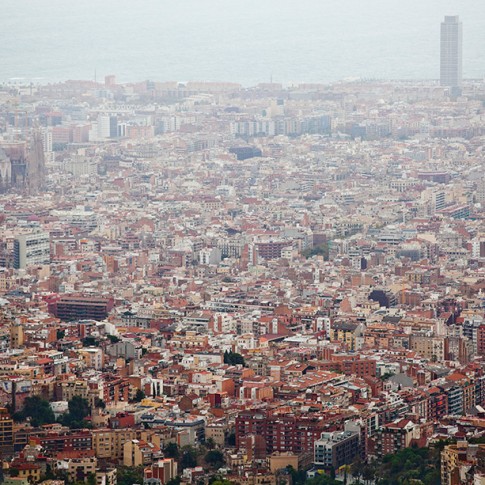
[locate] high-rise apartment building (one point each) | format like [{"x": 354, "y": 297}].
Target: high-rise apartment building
[
  {"x": 335, "y": 449},
  {"x": 107, "y": 126},
  {"x": 32, "y": 249},
  {"x": 6, "y": 431},
  {"x": 451, "y": 53}
]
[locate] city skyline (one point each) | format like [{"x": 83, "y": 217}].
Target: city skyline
[{"x": 261, "y": 280}]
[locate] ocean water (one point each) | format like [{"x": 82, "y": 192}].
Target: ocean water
[{"x": 246, "y": 41}]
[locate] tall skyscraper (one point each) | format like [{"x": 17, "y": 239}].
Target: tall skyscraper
[{"x": 451, "y": 53}]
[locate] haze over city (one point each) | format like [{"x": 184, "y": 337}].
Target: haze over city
[
  {"x": 245, "y": 42},
  {"x": 242, "y": 243}
]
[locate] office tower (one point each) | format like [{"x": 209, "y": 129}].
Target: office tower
[{"x": 451, "y": 53}]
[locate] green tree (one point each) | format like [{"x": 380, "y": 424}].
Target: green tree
[
  {"x": 128, "y": 475},
  {"x": 407, "y": 466},
  {"x": 38, "y": 410},
  {"x": 188, "y": 458},
  {"x": 113, "y": 339},
  {"x": 322, "y": 479},
  {"x": 320, "y": 250},
  {"x": 210, "y": 443},
  {"x": 368, "y": 473},
  {"x": 357, "y": 468},
  {"x": 171, "y": 451},
  {"x": 231, "y": 439},
  {"x": 214, "y": 458},
  {"x": 79, "y": 410},
  {"x": 233, "y": 358},
  {"x": 139, "y": 396},
  {"x": 60, "y": 334},
  {"x": 298, "y": 477},
  {"x": 89, "y": 341},
  {"x": 174, "y": 481},
  {"x": 49, "y": 474}
]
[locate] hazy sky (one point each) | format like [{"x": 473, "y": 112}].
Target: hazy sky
[{"x": 304, "y": 40}]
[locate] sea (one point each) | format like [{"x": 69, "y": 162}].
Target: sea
[{"x": 244, "y": 41}]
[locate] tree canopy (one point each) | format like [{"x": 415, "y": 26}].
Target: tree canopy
[
  {"x": 188, "y": 458},
  {"x": 233, "y": 358},
  {"x": 171, "y": 450},
  {"x": 320, "y": 250},
  {"x": 405, "y": 466},
  {"x": 139, "y": 396},
  {"x": 90, "y": 341},
  {"x": 38, "y": 410},
  {"x": 174, "y": 481},
  {"x": 215, "y": 458},
  {"x": 322, "y": 479},
  {"x": 79, "y": 410},
  {"x": 128, "y": 475}
]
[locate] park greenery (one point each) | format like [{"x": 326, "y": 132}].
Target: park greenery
[
  {"x": 407, "y": 466},
  {"x": 419, "y": 466}
]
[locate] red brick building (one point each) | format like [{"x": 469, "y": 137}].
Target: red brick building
[{"x": 285, "y": 433}]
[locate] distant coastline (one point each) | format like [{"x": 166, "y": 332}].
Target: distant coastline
[{"x": 249, "y": 43}]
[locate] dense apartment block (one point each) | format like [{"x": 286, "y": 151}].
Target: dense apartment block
[
  {"x": 69, "y": 308},
  {"x": 31, "y": 249},
  {"x": 332, "y": 450}
]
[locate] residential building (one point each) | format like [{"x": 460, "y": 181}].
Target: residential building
[
  {"x": 31, "y": 249},
  {"x": 335, "y": 449}
]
